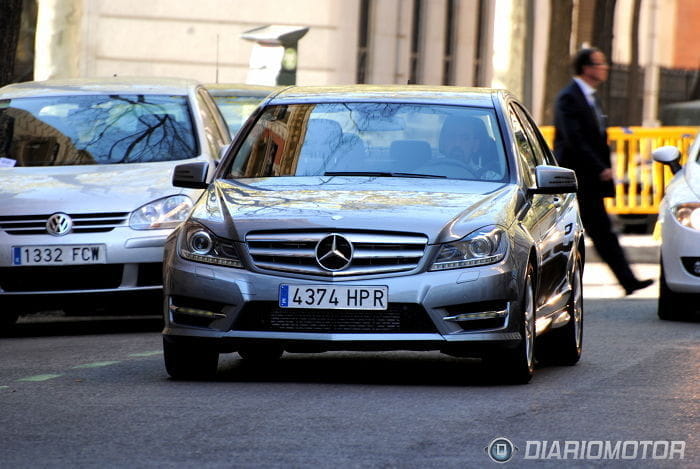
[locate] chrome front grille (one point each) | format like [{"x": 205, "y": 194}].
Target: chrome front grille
[
  {"x": 373, "y": 252},
  {"x": 82, "y": 223}
]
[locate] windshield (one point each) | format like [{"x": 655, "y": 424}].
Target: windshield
[
  {"x": 373, "y": 139},
  {"x": 236, "y": 109},
  {"x": 90, "y": 129}
]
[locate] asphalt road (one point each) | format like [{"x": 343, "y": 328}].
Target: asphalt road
[{"x": 94, "y": 393}]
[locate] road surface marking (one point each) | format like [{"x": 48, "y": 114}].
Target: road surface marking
[
  {"x": 37, "y": 378},
  {"x": 95, "y": 365},
  {"x": 146, "y": 354}
]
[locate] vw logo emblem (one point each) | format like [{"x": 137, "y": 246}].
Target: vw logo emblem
[
  {"x": 59, "y": 224},
  {"x": 334, "y": 252}
]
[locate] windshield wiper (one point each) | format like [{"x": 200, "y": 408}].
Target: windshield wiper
[
  {"x": 414, "y": 175},
  {"x": 381, "y": 174}
]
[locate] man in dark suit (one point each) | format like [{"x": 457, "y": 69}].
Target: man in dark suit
[{"x": 581, "y": 143}]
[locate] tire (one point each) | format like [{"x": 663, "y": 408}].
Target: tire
[
  {"x": 517, "y": 365},
  {"x": 562, "y": 346},
  {"x": 672, "y": 306},
  {"x": 188, "y": 361},
  {"x": 7, "y": 320},
  {"x": 260, "y": 352}
]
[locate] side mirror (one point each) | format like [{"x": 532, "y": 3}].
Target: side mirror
[
  {"x": 554, "y": 180},
  {"x": 668, "y": 155},
  {"x": 191, "y": 175}
]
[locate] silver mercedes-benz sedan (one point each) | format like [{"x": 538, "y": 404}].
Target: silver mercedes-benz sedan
[
  {"x": 85, "y": 183},
  {"x": 379, "y": 218}
]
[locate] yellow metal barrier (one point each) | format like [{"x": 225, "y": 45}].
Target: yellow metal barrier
[{"x": 640, "y": 181}]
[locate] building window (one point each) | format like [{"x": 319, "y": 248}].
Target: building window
[
  {"x": 416, "y": 32},
  {"x": 448, "y": 58},
  {"x": 481, "y": 44},
  {"x": 363, "y": 42}
]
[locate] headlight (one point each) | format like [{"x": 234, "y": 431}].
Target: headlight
[
  {"x": 201, "y": 245},
  {"x": 161, "y": 214},
  {"x": 485, "y": 246},
  {"x": 688, "y": 215}
]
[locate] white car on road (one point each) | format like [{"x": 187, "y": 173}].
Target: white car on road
[
  {"x": 679, "y": 216},
  {"x": 85, "y": 184}
]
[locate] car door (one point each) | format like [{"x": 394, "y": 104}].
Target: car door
[{"x": 542, "y": 220}]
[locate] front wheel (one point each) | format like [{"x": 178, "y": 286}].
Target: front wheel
[
  {"x": 672, "y": 306},
  {"x": 7, "y": 320},
  {"x": 518, "y": 364},
  {"x": 189, "y": 361},
  {"x": 563, "y": 346}
]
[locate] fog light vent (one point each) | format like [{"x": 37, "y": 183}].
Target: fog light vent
[{"x": 692, "y": 265}]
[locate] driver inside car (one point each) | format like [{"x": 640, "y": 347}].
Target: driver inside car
[{"x": 465, "y": 142}]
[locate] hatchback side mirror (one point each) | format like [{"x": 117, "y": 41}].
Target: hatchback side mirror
[
  {"x": 191, "y": 175},
  {"x": 668, "y": 155},
  {"x": 554, "y": 180}
]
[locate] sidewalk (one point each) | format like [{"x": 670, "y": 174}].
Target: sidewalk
[
  {"x": 642, "y": 252},
  {"x": 640, "y": 249}
]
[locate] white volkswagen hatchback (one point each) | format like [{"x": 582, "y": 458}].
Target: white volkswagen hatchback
[
  {"x": 679, "y": 216},
  {"x": 85, "y": 171}
]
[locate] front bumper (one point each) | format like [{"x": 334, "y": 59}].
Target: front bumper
[
  {"x": 457, "y": 311},
  {"x": 133, "y": 268},
  {"x": 680, "y": 254}
]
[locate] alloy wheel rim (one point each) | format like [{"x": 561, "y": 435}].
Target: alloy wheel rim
[
  {"x": 578, "y": 308},
  {"x": 528, "y": 320}
]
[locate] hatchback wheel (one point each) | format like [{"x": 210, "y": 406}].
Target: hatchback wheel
[
  {"x": 8, "y": 319},
  {"x": 672, "y": 306},
  {"x": 188, "y": 361},
  {"x": 562, "y": 346}
]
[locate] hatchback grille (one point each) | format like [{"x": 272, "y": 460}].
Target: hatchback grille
[
  {"x": 398, "y": 318},
  {"x": 82, "y": 223},
  {"x": 373, "y": 252}
]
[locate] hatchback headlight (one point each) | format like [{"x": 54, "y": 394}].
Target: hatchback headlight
[
  {"x": 485, "y": 246},
  {"x": 161, "y": 214},
  {"x": 201, "y": 245},
  {"x": 688, "y": 215}
]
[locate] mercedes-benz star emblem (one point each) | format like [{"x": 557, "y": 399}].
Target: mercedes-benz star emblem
[
  {"x": 334, "y": 252},
  {"x": 59, "y": 224}
]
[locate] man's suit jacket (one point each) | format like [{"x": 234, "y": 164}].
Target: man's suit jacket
[{"x": 579, "y": 143}]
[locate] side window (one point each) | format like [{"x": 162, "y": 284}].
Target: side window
[
  {"x": 212, "y": 131},
  {"x": 526, "y": 155},
  {"x": 539, "y": 145}
]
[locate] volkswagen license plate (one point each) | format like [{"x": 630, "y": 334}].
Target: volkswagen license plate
[
  {"x": 72, "y": 254},
  {"x": 333, "y": 297}
]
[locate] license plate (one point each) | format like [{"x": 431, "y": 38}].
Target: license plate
[
  {"x": 72, "y": 254},
  {"x": 333, "y": 297}
]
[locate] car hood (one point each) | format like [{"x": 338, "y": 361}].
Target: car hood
[
  {"x": 444, "y": 210},
  {"x": 84, "y": 189}
]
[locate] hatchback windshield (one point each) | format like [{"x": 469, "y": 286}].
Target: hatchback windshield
[
  {"x": 373, "y": 139},
  {"x": 95, "y": 129},
  {"x": 236, "y": 109}
]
